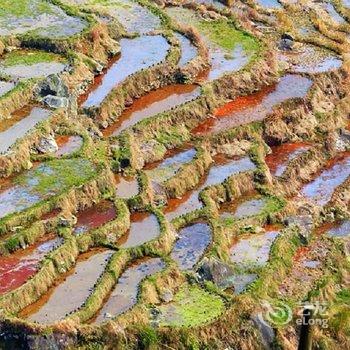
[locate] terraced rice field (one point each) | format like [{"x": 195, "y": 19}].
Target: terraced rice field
[{"x": 174, "y": 175}]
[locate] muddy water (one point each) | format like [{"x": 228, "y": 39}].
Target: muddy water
[
  {"x": 281, "y": 155},
  {"x": 143, "y": 228},
  {"x": 247, "y": 206},
  {"x": 6, "y": 87},
  {"x": 71, "y": 293},
  {"x": 68, "y": 144},
  {"x": 253, "y": 250},
  {"x": 136, "y": 54},
  {"x": 188, "y": 50},
  {"x": 256, "y": 107},
  {"x": 23, "y": 124},
  {"x": 222, "y": 169},
  {"x": 124, "y": 296},
  {"x": 168, "y": 167},
  {"x": 333, "y": 175},
  {"x": 191, "y": 245},
  {"x": 126, "y": 186},
  {"x": 94, "y": 217},
  {"x": 155, "y": 102},
  {"x": 18, "y": 267}
]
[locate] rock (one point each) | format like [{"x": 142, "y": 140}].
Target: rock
[
  {"x": 266, "y": 331},
  {"x": 47, "y": 145},
  {"x": 67, "y": 222},
  {"x": 55, "y": 101},
  {"x": 166, "y": 295},
  {"x": 304, "y": 223},
  {"x": 54, "y": 341},
  {"x": 52, "y": 85},
  {"x": 159, "y": 194},
  {"x": 286, "y": 43},
  {"x": 212, "y": 269}
]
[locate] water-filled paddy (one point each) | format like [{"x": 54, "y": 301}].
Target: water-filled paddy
[
  {"x": 42, "y": 182},
  {"x": 136, "y": 54},
  {"x": 143, "y": 228},
  {"x": 256, "y": 107},
  {"x": 124, "y": 295},
  {"x": 190, "y": 245}
]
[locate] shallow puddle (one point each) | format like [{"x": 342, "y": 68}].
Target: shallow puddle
[
  {"x": 340, "y": 230},
  {"x": 136, "y": 54},
  {"x": 68, "y": 144},
  {"x": 242, "y": 281},
  {"x": 23, "y": 123},
  {"x": 281, "y": 155},
  {"x": 155, "y": 102},
  {"x": 134, "y": 17},
  {"x": 71, "y": 293},
  {"x": 126, "y": 186},
  {"x": 271, "y": 4},
  {"x": 253, "y": 250},
  {"x": 37, "y": 70},
  {"x": 6, "y": 87},
  {"x": 335, "y": 173},
  {"x": 124, "y": 295},
  {"x": 167, "y": 168},
  {"x": 190, "y": 246},
  {"x": 18, "y": 267},
  {"x": 188, "y": 50},
  {"x": 143, "y": 228},
  {"x": 94, "y": 217},
  {"x": 330, "y": 9},
  {"x": 311, "y": 59},
  {"x": 42, "y": 182},
  {"x": 245, "y": 207},
  {"x": 219, "y": 172},
  {"x": 256, "y": 107},
  {"x": 226, "y": 55},
  {"x": 40, "y": 18}
]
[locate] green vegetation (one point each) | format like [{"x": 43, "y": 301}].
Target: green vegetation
[
  {"x": 225, "y": 35},
  {"x": 57, "y": 175},
  {"x": 23, "y": 7},
  {"x": 192, "y": 306},
  {"x": 28, "y": 58}
]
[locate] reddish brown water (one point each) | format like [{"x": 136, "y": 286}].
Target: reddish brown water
[
  {"x": 68, "y": 144},
  {"x": 155, "y": 102},
  {"x": 144, "y": 227},
  {"x": 18, "y": 267},
  {"x": 15, "y": 117},
  {"x": 278, "y": 160},
  {"x": 335, "y": 229},
  {"x": 126, "y": 186},
  {"x": 256, "y": 107},
  {"x": 95, "y": 216},
  {"x": 333, "y": 175},
  {"x": 124, "y": 295}
]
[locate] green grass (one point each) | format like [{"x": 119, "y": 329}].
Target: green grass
[
  {"x": 23, "y": 8},
  {"x": 28, "y": 58},
  {"x": 223, "y": 34},
  {"x": 193, "y": 306},
  {"x": 57, "y": 175}
]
